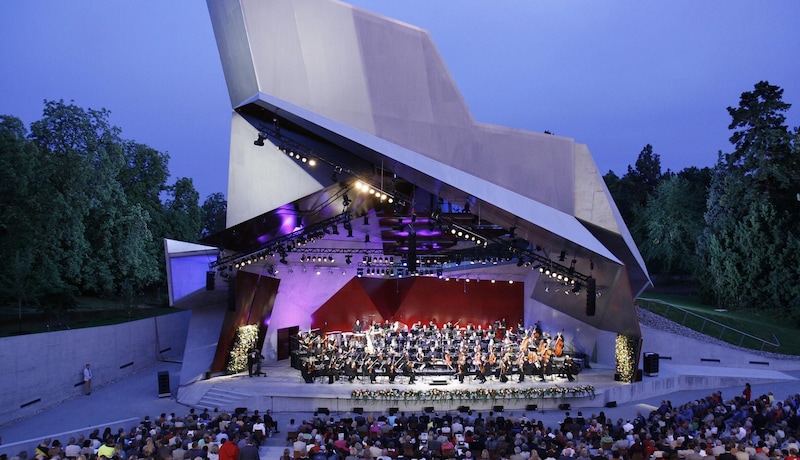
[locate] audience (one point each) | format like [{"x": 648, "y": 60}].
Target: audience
[{"x": 705, "y": 429}]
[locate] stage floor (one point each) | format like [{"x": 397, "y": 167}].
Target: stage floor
[{"x": 283, "y": 390}]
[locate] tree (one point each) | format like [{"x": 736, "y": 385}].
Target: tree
[
  {"x": 632, "y": 191},
  {"x": 18, "y": 242},
  {"x": 81, "y": 160},
  {"x": 751, "y": 220},
  {"x": 183, "y": 211},
  {"x": 214, "y": 212},
  {"x": 673, "y": 218}
]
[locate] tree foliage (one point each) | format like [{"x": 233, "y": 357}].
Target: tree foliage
[
  {"x": 83, "y": 210},
  {"x": 750, "y": 241},
  {"x": 214, "y": 213},
  {"x": 733, "y": 227},
  {"x": 673, "y": 220}
]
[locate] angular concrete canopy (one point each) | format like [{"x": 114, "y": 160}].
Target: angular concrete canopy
[{"x": 369, "y": 98}]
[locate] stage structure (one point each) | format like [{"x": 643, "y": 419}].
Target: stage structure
[{"x": 359, "y": 182}]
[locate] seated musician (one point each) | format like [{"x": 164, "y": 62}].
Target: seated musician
[
  {"x": 391, "y": 370},
  {"x": 408, "y": 369},
  {"x": 462, "y": 368},
  {"x": 480, "y": 363},
  {"x": 351, "y": 369}
]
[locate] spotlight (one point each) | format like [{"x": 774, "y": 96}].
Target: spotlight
[
  {"x": 366, "y": 219},
  {"x": 335, "y": 229},
  {"x": 260, "y": 141},
  {"x": 563, "y": 256},
  {"x": 366, "y": 238},
  {"x": 345, "y": 201},
  {"x": 348, "y": 259},
  {"x": 283, "y": 260}
]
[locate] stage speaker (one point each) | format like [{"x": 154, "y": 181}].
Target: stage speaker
[
  {"x": 240, "y": 411},
  {"x": 232, "y": 293},
  {"x": 428, "y": 409},
  {"x": 651, "y": 361},
  {"x": 463, "y": 409},
  {"x": 358, "y": 410},
  {"x": 591, "y": 296},
  {"x": 564, "y": 406},
  {"x": 323, "y": 410},
  {"x": 210, "y": 280},
  {"x": 497, "y": 408},
  {"x": 163, "y": 385},
  {"x": 412, "y": 252},
  {"x": 393, "y": 410},
  {"x": 532, "y": 407},
  {"x": 611, "y": 404}
]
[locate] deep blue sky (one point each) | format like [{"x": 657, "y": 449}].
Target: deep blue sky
[{"x": 613, "y": 75}]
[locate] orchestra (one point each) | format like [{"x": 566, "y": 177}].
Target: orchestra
[{"x": 395, "y": 350}]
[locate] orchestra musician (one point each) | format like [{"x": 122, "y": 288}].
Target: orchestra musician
[
  {"x": 408, "y": 369},
  {"x": 387, "y": 348},
  {"x": 351, "y": 369},
  {"x": 392, "y": 370},
  {"x": 569, "y": 368},
  {"x": 462, "y": 367},
  {"x": 481, "y": 365}
]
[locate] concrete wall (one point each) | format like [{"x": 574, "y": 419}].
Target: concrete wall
[
  {"x": 47, "y": 368},
  {"x": 700, "y": 353}
]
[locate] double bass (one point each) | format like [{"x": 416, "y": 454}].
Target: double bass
[{"x": 559, "y": 348}]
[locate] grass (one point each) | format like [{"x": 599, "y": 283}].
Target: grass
[{"x": 768, "y": 326}]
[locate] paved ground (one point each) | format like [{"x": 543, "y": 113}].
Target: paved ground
[{"x": 123, "y": 403}]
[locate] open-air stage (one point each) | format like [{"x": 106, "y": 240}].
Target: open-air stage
[{"x": 283, "y": 390}]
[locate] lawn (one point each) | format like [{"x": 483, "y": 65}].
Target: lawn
[{"x": 768, "y": 326}]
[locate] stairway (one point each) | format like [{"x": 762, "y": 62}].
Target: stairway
[{"x": 223, "y": 400}]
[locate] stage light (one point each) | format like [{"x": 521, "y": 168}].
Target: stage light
[
  {"x": 348, "y": 259},
  {"x": 260, "y": 141},
  {"x": 366, "y": 219},
  {"x": 563, "y": 256},
  {"x": 345, "y": 201}
]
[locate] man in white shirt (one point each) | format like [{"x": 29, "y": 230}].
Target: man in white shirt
[{"x": 87, "y": 379}]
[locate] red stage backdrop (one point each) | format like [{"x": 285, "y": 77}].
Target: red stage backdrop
[{"x": 409, "y": 300}]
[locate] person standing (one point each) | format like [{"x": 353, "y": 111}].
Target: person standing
[
  {"x": 249, "y": 451},
  {"x": 228, "y": 450},
  {"x": 87, "y": 379},
  {"x": 747, "y": 392}
]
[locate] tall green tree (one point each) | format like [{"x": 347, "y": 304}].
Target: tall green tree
[
  {"x": 632, "y": 191},
  {"x": 752, "y": 215},
  {"x": 674, "y": 221},
  {"x": 19, "y": 207},
  {"x": 215, "y": 209},
  {"x": 183, "y": 211}
]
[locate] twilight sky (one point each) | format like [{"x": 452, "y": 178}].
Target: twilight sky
[{"x": 613, "y": 75}]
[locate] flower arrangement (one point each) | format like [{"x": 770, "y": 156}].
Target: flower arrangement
[
  {"x": 246, "y": 337},
  {"x": 626, "y": 350},
  {"x": 480, "y": 394}
]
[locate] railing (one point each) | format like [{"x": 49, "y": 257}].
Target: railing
[{"x": 707, "y": 326}]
